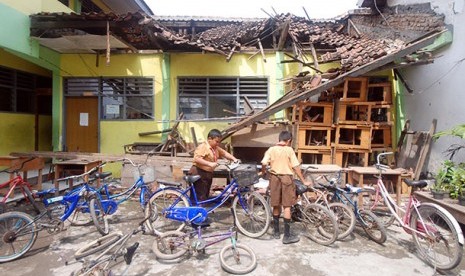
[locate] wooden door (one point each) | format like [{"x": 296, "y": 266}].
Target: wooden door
[{"x": 82, "y": 124}]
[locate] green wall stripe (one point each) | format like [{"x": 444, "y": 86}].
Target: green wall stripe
[
  {"x": 166, "y": 92},
  {"x": 279, "y": 77}
]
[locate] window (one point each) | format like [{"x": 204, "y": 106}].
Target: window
[
  {"x": 18, "y": 92},
  {"x": 204, "y": 97},
  {"x": 120, "y": 98}
]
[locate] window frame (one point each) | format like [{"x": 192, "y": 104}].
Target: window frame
[{"x": 204, "y": 91}]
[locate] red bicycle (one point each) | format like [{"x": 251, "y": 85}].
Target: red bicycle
[{"x": 17, "y": 182}]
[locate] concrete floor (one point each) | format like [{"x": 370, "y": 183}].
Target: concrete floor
[{"x": 357, "y": 255}]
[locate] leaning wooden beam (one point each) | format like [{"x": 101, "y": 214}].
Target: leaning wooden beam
[
  {"x": 314, "y": 56},
  {"x": 261, "y": 49},
  {"x": 303, "y": 63},
  {"x": 354, "y": 27},
  {"x": 363, "y": 69},
  {"x": 283, "y": 36},
  {"x": 231, "y": 54},
  {"x": 155, "y": 132}
]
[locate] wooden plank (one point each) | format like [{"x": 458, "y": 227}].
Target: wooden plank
[
  {"x": 297, "y": 95},
  {"x": 283, "y": 36}
]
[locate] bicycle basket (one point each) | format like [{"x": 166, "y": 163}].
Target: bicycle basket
[
  {"x": 245, "y": 175},
  {"x": 148, "y": 173}
]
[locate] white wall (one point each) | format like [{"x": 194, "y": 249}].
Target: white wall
[{"x": 439, "y": 88}]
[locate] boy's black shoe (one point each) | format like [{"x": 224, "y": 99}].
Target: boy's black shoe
[
  {"x": 290, "y": 239},
  {"x": 276, "y": 235}
]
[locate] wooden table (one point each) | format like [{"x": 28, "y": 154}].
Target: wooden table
[
  {"x": 13, "y": 162},
  {"x": 316, "y": 170},
  {"x": 358, "y": 176},
  {"x": 74, "y": 167}
]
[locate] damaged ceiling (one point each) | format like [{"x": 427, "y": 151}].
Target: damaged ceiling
[{"x": 353, "y": 40}]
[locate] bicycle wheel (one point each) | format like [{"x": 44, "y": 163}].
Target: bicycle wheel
[
  {"x": 253, "y": 215},
  {"x": 320, "y": 224},
  {"x": 345, "y": 219},
  {"x": 170, "y": 245},
  {"x": 238, "y": 259},
  {"x": 14, "y": 243},
  {"x": 99, "y": 217},
  {"x": 373, "y": 226},
  {"x": 439, "y": 242},
  {"x": 31, "y": 199},
  {"x": 97, "y": 245},
  {"x": 159, "y": 202},
  {"x": 378, "y": 206}
]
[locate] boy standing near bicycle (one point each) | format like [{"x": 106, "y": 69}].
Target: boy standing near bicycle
[
  {"x": 283, "y": 164},
  {"x": 206, "y": 157}
]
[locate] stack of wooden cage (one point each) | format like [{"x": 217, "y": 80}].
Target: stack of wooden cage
[{"x": 347, "y": 126}]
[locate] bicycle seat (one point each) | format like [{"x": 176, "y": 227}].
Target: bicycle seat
[
  {"x": 191, "y": 178},
  {"x": 45, "y": 192},
  {"x": 102, "y": 175},
  {"x": 130, "y": 253},
  {"x": 416, "y": 183}
]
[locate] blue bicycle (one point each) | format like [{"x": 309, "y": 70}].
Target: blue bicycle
[
  {"x": 99, "y": 209},
  {"x": 251, "y": 211},
  {"x": 348, "y": 195}
]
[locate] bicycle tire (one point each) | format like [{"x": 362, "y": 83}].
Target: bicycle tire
[
  {"x": 97, "y": 245},
  {"x": 31, "y": 198},
  {"x": 255, "y": 221},
  {"x": 99, "y": 216},
  {"x": 345, "y": 219},
  {"x": 159, "y": 201},
  {"x": 9, "y": 223},
  {"x": 170, "y": 245},
  {"x": 379, "y": 208},
  {"x": 232, "y": 260},
  {"x": 320, "y": 224},
  {"x": 372, "y": 226},
  {"x": 435, "y": 249}
]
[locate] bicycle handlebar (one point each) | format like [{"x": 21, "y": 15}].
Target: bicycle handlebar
[
  {"x": 91, "y": 171},
  {"x": 378, "y": 158}
]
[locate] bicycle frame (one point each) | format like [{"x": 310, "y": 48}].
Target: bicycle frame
[
  {"x": 13, "y": 183},
  {"x": 124, "y": 196},
  {"x": 232, "y": 187},
  {"x": 71, "y": 200}
]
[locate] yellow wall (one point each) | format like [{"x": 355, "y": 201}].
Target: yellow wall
[
  {"x": 18, "y": 133},
  {"x": 18, "y": 129},
  {"x": 12, "y": 61},
  {"x": 115, "y": 134}
]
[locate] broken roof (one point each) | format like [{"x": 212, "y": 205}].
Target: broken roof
[{"x": 353, "y": 41}]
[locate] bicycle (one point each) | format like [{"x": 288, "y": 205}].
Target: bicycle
[
  {"x": 109, "y": 202},
  {"x": 235, "y": 258},
  {"x": 18, "y": 230},
  {"x": 345, "y": 216},
  {"x": 348, "y": 195},
  {"x": 251, "y": 212},
  {"x": 319, "y": 222},
  {"x": 17, "y": 182},
  {"x": 436, "y": 233},
  {"x": 113, "y": 246}
]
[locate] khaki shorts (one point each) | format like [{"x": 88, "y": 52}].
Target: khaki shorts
[{"x": 282, "y": 190}]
